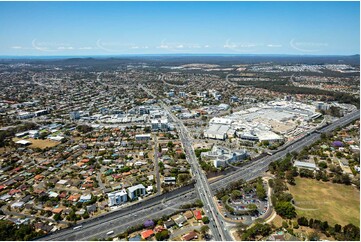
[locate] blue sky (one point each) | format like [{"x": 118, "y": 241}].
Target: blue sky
[{"x": 116, "y": 28}]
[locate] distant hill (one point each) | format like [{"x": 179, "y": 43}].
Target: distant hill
[{"x": 186, "y": 59}]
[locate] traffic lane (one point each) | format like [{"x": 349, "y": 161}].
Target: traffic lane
[
  {"x": 101, "y": 232},
  {"x": 182, "y": 199},
  {"x": 121, "y": 224}
]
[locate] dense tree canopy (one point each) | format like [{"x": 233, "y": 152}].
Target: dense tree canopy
[
  {"x": 9, "y": 231},
  {"x": 285, "y": 209}
]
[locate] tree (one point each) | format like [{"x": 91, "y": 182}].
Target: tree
[
  {"x": 306, "y": 173},
  {"x": 205, "y": 220},
  {"x": 9, "y": 231},
  {"x": 163, "y": 235},
  {"x": 170, "y": 144},
  {"x": 260, "y": 191},
  {"x": 235, "y": 194},
  {"x": 345, "y": 178},
  {"x": 147, "y": 129},
  {"x": 57, "y": 217},
  {"x": 313, "y": 236},
  {"x": 182, "y": 156},
  {"x": 302, "y": 221},
  {"x": 338, "y": 228},
  {"x": 310, "y": 223},
  {"x": 285, "y": 224},
  {"x": 290, "y": 178},
  {"x": 84, "y": 128},
  {"x": 182, "y": 178},
  {"x": 257, "y": 229},
  {"x": 204, "y": 229},
  {"x": 322, "y": 164},
  {"x": 351, "y": 232},
  {"x": 324, "y": 226},
  {"x": 285, "y": 209},
  {"x": 252, "y": 208},
  {"x": 85, "y": 215}
]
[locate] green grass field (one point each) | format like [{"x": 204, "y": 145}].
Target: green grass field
[{"x": 335, "y": 203}]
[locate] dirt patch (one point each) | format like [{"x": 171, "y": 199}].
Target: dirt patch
[{"x": 39, "y": 143}]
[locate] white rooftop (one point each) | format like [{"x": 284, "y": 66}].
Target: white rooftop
[{"x": 136, "y": 187}]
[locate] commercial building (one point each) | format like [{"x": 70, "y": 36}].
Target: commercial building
[
  {"x": 140, "y": 137},
  {"x": 216, "y": 131},
  {"x": 305, "y": 165},
  {"x": 136, "y": 191},
  {"x": 160, "y": 124},
  {"x": 273, "y": 121},
  {"x": 74, "y": 115},
  {"x": 117, "y": 197},
  {"x": 222, "y": 156},
  {"x": 170, "y": 180}
]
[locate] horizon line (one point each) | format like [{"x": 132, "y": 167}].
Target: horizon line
[{"x": 170, "y": 54}]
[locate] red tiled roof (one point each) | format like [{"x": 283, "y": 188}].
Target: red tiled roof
[
  {"x": 147, "y": 233},
  {"x": 62, "y": 195},
  {"x": 57, "y": 210},
  {"x": 74, "y": 198},
  {"x": 39, "y": 177},
  {"x": 197, "y": 214},
  {"x": 13, "y": 191}
]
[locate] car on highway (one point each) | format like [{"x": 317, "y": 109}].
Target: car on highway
[
  {"x": 110, "y": 232},
  {"x": 78, "y": 227}
]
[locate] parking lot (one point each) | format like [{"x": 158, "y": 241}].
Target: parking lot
[{"x": 240, "y": 204}]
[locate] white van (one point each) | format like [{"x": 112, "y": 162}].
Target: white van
[{"x": 78, "y": 227}]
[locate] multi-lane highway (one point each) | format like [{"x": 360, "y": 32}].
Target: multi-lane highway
[
  {"x": 217, "y": 225},
  {"x": 169, "y": 203},
  {"x": 202, "y": 185},
  {"x": 124, "y": 218}
]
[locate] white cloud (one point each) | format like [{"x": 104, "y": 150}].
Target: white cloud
[
  {"x": 274, "y": 45},
  {"x": 139, "y": 47},
  {"x": 162, "y": 46},
  {"x": 16, "y": 47},
  {"x": 230, "y": 46},
  {"x": 65, "y": 48},
  {"x": 86, "y": 48}
]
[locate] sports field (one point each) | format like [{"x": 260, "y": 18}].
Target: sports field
[
  {"x": 39, "y": 143},
  {"x": 326, "y": 201}
]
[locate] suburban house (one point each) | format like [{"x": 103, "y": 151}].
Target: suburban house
[
  {"x": 197, "y": 214},
  {"x": 169, "y": 224},
  {"x": 191, "y": 235},
  {"x": 85, "y": 198},
  {"x": 179, "y": 220},
  {"x": 147, "y": 234}
]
